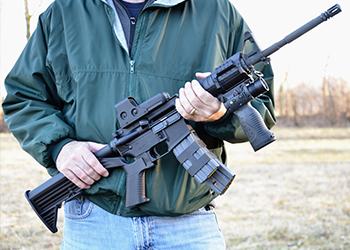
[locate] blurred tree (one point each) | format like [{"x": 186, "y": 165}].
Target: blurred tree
[
  {"x": 28, "y": 17},
  {"x": 282, "y": 93},
  {"x": 324, "y": 84}
]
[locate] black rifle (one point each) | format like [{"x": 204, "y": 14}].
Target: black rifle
[
  {"x": 156, "y": 122},
  {"x": 154, "y": 125}
]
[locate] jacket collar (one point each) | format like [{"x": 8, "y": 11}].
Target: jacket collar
[
  {"x": 169, "y": 2},
  {"x": 118, "y": 29},
  {"x": 161, "y": 2}
]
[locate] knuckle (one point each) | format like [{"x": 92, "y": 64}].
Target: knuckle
[
  {"x": 88, "y": 180},
  {"x": 69, "y": 175},
  {"x": 203, "y": 95},
  {"x": 97, "y": 178},
  {"x": 95, "y": 168},
  {"x": 90, "y": 159},
  {"x": 77, "y": 181},
  {"x": 101, "y": 171},
  {"x": 84, "y": 177},
  {"x": 62, "y": 168},
  {"x": 186, "y": 116},
  {"x": 196, "y": 103},
  {"x": 181, "y": 93},
  {"x": 74, "y": 157},
  {"x": 90, "y": 172},
  {"x": 94, "y": 175},
  {"x": 80, "y": 175},
  {"x": 82, "y": 185}
]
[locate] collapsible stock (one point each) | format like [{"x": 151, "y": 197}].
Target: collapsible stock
[{"x": 47, "y": 198}]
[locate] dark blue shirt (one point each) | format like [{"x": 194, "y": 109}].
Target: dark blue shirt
[{"x": 133, "y": 8}]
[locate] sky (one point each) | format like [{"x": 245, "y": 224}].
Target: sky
[{"x": 305, "y": 59}]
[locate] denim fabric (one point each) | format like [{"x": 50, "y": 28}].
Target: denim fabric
[{"x": 87, "y": 226}]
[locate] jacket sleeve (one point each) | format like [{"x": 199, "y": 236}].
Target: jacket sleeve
[
  {"x": 228, "y": 128},
  {"x": 32, "y": 107}
]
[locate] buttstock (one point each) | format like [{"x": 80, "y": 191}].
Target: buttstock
[{"x": 47, "y": 198}]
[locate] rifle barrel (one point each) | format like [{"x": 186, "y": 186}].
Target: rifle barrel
[{"x": 301, "y": 31}]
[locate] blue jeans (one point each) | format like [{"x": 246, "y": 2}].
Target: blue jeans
[{"x": 87, "y": 226}]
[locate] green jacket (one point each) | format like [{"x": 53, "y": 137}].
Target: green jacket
[{"x": 76, "y": 67}]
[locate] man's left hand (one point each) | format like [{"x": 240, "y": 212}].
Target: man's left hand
[{"x": 196, "y": 104}]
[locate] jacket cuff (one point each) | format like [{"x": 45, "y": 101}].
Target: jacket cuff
[
  {"x": 55, "y": 149},
  {"x": 227, "y": 115}
]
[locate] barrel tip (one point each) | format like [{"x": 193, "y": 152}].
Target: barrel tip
[{"x": 333, "y": 11}]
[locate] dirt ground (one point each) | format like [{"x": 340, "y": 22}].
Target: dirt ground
[{"x": 292, "y": 194}]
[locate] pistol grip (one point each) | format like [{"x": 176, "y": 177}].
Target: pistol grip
[
  {"x": 254, "y": 127},
  {"x": 136, "y": 183},
  {"x": 135, "y": 178}
]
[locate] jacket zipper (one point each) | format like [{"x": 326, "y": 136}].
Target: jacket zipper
[
  {"x": 133, "y": 26},
  {"x": 132, "y": 66}
]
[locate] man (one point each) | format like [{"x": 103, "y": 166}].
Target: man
[{"x": 87, "y": 55}]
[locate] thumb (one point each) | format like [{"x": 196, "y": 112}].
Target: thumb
[
  {"x": 201, "y": 76},
  {"x": 94, "y": 147}
]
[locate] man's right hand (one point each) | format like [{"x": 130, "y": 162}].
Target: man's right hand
[{"x": 77, "y": 162}]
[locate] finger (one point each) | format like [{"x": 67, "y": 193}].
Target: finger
[
  {"x": 201, "y": 76},
  {"x": 81, "y": 169},
  {"x": 70, "y": 175},
  {"x": 94, "y": 147},
  {"x": 184, "y": 99},
  {"x": 93, "y": 167},
  {"x": 89, "y": 172},
  {"x": 182, "y": 111},
  {"x": 81, "y": 173},
  {"x": 88, "y": 163},
  {"x": 77, "y": 163},
  {"x": 193, "y": 101},
  {"x": 204, "y": 96}
]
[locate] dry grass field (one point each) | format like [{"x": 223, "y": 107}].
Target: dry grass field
[{"x": 293, "y": 194}]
